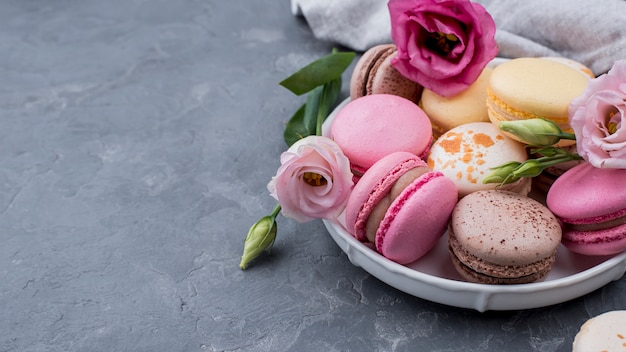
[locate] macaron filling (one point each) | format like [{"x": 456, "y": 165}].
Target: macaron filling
[
  {"x": 597, "y": 222},
  {"x": 503, "y": 112}
]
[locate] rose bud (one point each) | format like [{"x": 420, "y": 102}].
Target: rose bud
[
  {"x": 537, "y": 132},
  {"x": 260, "y": 237}
]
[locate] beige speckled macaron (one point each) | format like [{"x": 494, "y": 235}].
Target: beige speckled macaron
[
  {"x": 467, "y": 154},
  {"x": 501, "y": 237},
  {"x": 605, "y": 332},
  {"x": 373, "y": 74}
]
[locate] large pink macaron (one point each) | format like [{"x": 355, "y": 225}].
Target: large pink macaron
[
  {"x": 374, "y": 126},
  {"x": 591, "y": 204},
  {"x": 401, "y": 206}
]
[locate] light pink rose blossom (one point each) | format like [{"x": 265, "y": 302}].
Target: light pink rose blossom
[
  {"x": 442, "y": 44},
  {"x": 598, "y": 116},
  {"x": 313, "y": 181}
]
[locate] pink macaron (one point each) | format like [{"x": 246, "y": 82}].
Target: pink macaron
[
  {"x": 591, "y": 204},
  {"x": 373, "y": 126},
  {"x": 401, "y": 206}
]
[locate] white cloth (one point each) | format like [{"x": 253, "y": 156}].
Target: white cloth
[{"x": 591, "y": 32}]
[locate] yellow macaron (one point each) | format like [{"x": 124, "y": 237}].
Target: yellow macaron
[
  {"x": 528, "y": 88},
  {"x": 468, "y": 106}
]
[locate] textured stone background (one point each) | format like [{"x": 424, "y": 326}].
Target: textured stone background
[{"x": 136, "y": 140}]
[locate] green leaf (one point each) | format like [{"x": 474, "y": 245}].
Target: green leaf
[
  {"x": 296, "y": 127},
  {"x": 319, "y": 72},
  {"x": 309, "y": 118},
  {"x": 328, "y": 99},
  {"x": 312, "y": 109}
]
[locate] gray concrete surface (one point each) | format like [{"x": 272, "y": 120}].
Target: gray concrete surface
[{"x": 136, "y": 140}]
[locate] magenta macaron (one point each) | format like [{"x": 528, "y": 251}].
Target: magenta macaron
[
  {"x": 591, "y": 204},
  {"x": 373, "y": 126},
  {"x": 401, "y": 206}
]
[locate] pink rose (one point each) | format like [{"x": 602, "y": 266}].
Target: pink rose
[
  {"x": 597, "y": 117},
  {"x": 442, "y": 44},
  {"x": 313, "y": 181}
]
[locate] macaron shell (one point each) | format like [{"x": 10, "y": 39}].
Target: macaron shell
[
  {"x": 585, "y": 194},
  {"x": 417, "y": 218},
  {"x": 373, "y": 126},
  {"x": 373, "y": 186},
  {"x": 600, "y": 242},
  {"x": 604, "y": 332},
  {"x": 579, "y": 67}
]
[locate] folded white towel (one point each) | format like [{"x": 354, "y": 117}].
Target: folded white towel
[{"x": 589, "y": 31}]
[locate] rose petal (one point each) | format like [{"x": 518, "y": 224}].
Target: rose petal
[{"x": 448, "y": 74}]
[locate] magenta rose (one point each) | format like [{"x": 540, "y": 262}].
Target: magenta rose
[
  {"x": 442, "y": 44},
  {"x": 313, "y": 181},
  {"x": 597, "y": 117}
]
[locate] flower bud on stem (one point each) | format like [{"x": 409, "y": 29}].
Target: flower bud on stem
[
  {"x": 536, "y": 132},
  {"x": 513, "y": 171},
  {"x": 260, "y": 237}
]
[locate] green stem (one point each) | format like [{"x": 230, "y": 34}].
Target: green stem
[
  {"x": 321, "y": 113},
  {"x": 569, "y": 136},
  {"x": 275, "y": 212}
]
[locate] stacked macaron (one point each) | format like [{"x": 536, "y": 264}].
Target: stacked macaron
[
  {"x": 501, "y": 237},
  {"x": 591, "y": 204},
  {"x": 527, "y": 88},
  {"x": 392, "y": 207}
]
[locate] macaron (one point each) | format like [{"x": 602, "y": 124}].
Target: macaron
[
  {"x": 501, "y": 237},
  {"x": 604, "y": 332},
  {"x": 546, "y": 178},
  {"x": 401, "y": 206},
  {"x": 467, "y": 153},
  {"x": 526, "y": 88},
  {"x": 373, "y": 74},
  {"x": 582, "y": 69},
  {"x": 374, "y": 126},
  {"x": 591, "y": 204},
  {"x": 468, "y": 106}
]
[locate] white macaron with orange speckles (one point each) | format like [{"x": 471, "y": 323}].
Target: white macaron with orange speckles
[
  {"x": 467, "y": 153},
  {"x": 604, "y": 332}
]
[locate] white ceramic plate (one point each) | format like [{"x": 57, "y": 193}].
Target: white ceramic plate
[{"x": 434, "y": 278}]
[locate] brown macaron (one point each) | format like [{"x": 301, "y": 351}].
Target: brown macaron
[
  {"x": 373, "y": 74},
  {"x": 501, "y": 237}
]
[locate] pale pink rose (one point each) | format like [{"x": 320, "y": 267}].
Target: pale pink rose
[
  {"x": 442, "y": 44},
  {"x": 313, "y": 181},
  {"x": 598, "y": 116}
]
